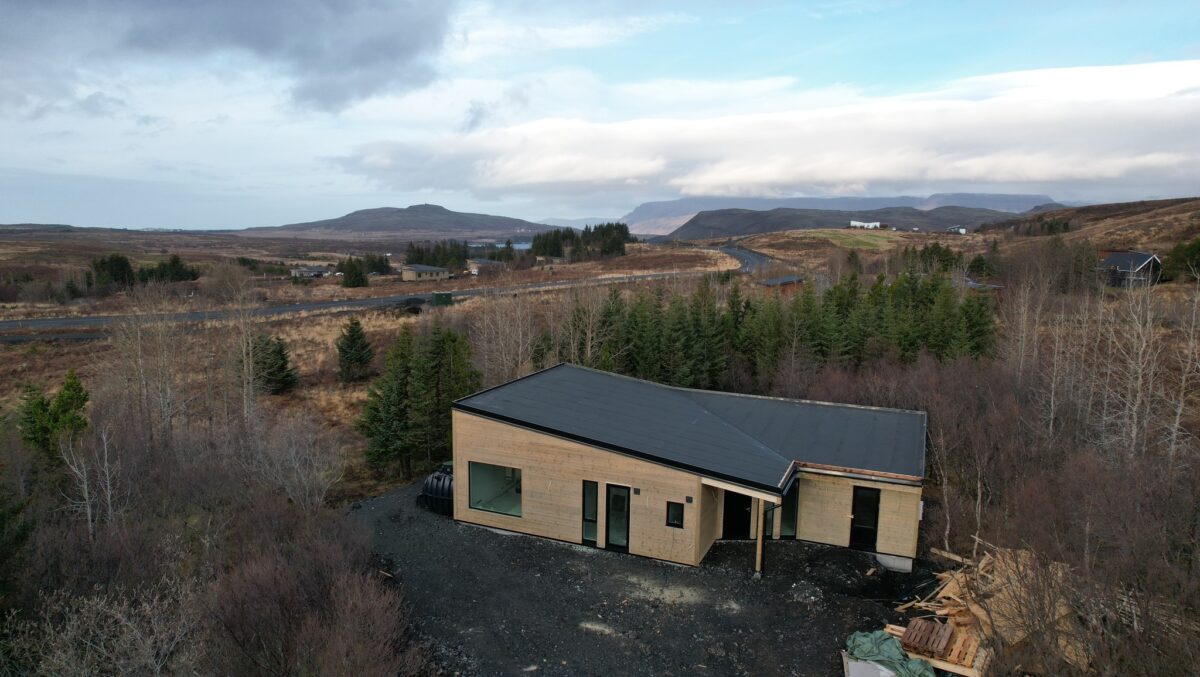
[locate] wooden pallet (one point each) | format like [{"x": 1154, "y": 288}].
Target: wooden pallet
[{"x": 927, "y": 637}]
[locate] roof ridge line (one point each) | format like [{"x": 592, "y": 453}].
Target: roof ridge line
[{"x": 726, "y": 393}]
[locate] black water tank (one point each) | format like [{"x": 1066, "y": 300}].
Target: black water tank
[{"x": 437, "y": 494}]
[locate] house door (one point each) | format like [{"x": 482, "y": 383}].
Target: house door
[
  {"x": 616, "y": 528},
  {"x": 864, "y": 524},
  {"x": 737, "y": 517},
  {"x": 589, "y": 513}
]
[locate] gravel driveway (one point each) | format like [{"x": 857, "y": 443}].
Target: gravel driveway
[{"x": 493, "y": 603}]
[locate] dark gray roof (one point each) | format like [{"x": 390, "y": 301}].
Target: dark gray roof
[
  {"x": 1128, "y": 261},
  {"x": 744, "y": 439},
  {"x": 422, "y": 268},
  {"x": 781, "y": 281}
]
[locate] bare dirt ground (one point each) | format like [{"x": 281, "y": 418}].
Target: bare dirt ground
[{"x": 492, "y": 603}]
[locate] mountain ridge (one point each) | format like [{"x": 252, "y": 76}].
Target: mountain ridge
[
  {"x": 662, "y": 217},
  {"x": 738, "y": 222}
]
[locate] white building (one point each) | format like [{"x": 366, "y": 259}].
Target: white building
[{"x": 869, "y": 225}]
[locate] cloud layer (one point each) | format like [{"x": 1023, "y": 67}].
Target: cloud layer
[
  {"x": 332, "y": 52},
  {"x": 1136, "y": 128}
]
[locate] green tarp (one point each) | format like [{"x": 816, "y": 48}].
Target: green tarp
[{"x": 880, "y": 647}]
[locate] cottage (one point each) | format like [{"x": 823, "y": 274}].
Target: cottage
[
  {"x": 869, "y": 225},
  {"x": 309, "y": 271},
  {"x": 613, "y": 462},
  {"x": 484, "y": 266},
  {"x": 416, "y": 272},
  {"x": 956, "y": 230},
  {"x": 1128, "y": 268}
]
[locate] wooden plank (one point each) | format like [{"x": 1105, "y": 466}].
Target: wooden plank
[{"x": 949, "y": 555}]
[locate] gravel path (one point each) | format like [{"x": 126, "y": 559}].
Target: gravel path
[{"x": 494, "y": 603}]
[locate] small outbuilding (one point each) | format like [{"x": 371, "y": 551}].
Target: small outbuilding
[
  {"x": 309, "y": 271},
  {"x": 1129, "y": 268},
  {"x": 417, "y": 272},
  {"x": 589, "y": 457}
]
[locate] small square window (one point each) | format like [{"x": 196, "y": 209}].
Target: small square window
[{"x": 675, "y": 515}]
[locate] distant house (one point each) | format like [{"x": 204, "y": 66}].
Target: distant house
[
  {"x": 309, "y": 271},
  {"x": 1126, "y": 268},
  {"x": 869, "y": 225},
  {"x": 484, "y": 266},
  {"x": 957, "y": 230},
  {"x": 416, "y": 272},
  {"x": 782, "y": 281}
]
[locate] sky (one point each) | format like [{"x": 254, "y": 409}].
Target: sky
[{"x": 216, "y": 114}]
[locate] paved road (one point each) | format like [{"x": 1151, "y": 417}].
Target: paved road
[
  {"x": 14, "y": 331},
  {"x": 751, "y": 260},
  {"x": 11, "y": 330}
]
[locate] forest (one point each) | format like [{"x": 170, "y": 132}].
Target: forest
[{"x": 593, "y": 242}]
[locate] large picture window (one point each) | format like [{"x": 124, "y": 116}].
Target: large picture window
[{"x": 495, "y": 488}]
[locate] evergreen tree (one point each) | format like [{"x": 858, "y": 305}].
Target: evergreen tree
[
  {"x": 354, "y": 352},
  {"x": 43, "y": 421},
  {"x": 273, "y": 372},
  {"x": 442, "y": 372},
  {"x": 711, "y": 358},
  {"x": 803, "y": 321},
  {"x": 386, "y": 416},
  {"x": 353, "y": 273},
  {"x": 679, "y": 364},
  {"x": 979, "y": 324},
  {"x": 942, "y": 323}
]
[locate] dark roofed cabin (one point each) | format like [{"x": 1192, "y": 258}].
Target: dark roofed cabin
[
  {"x": 590, "y": 457},
  {"x": 1129, "y": 268}
]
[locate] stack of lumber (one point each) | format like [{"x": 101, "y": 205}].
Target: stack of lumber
[{"x": 987, "y": 600}]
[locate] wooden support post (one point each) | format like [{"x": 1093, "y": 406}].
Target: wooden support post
[{"x": 758, "y": 552}]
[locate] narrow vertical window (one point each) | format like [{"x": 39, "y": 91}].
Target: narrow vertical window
[{"x": 675, "y": 515}]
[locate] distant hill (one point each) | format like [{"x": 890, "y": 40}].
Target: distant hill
[
  {"x": 1015, "y": 203},
  {"x": 415, "y": 222},
  {"x": 738, "y": 222},
  {"x": 577, "y": 224},
  {"x": 663, "y": 217},
  {"x": 37, "y": 227},
  {"x": 1148, "y": 225}
]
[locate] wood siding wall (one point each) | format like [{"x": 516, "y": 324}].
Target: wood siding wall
[
  {"x": 825, "y": 511},
  {"x": 711, "y": 502},
  {"x": 552, "y": 474}
]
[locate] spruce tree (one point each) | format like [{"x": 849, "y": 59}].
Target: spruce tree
[
  {"x": 442, "y": 372},
  {"x": 386, "y": 416},
  {"x": 273, "y": 372},
  {"x": 979, "y": 324},
  {"x": 679, "y": 364},
  {"x": 353, "y": 272},
  {"x": 711, "y": 358},
  {"x": 43, "y": 421},
  {"x": 354, "y": 352}
]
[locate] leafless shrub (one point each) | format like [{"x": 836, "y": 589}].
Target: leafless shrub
[
  {"x": 309, "y": 609},
  {"x": 152, "y": 631},
  {"x": 297, "y": 458}
]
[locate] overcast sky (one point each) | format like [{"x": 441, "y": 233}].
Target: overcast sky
[{"x": 214, "y": 114}]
